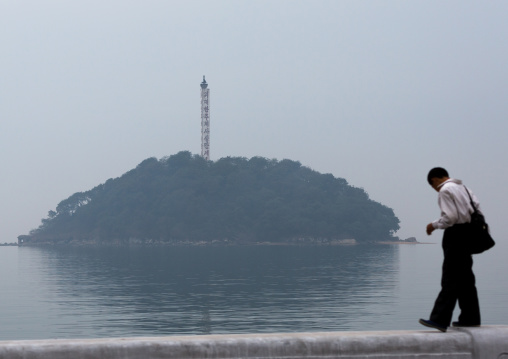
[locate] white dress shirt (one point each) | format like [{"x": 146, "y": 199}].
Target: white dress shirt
[{"x": 454, "y": 203}]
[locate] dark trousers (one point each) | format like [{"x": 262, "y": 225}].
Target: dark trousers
[{"x": 457, "y": 282}]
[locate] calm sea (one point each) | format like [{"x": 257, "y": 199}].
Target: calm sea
[{"x": 143, "y": 291}]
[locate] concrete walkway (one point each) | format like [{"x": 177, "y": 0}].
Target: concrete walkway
[{"x": 487, "y": 342}]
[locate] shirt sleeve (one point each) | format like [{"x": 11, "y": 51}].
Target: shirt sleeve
[{"x": 449, "y": 214}]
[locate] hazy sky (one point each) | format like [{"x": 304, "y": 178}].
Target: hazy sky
[{"x": 376, "y": 92}]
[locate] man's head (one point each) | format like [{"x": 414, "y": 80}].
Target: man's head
[{"x": 436, "y": 176}]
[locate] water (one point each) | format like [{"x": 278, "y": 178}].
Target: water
[{"x": 145, "y": 291}]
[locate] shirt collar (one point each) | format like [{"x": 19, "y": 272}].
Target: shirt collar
[{"x": 441, "y": 185}]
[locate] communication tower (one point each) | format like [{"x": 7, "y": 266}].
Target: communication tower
[{"x": 205, "y": 120}]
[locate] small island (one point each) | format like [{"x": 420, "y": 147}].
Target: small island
[{"x": 185, "y": 199}]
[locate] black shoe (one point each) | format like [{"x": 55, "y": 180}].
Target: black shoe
[
  {"x": 459, "y": 324},
  {"x": 431, "y": 324}
]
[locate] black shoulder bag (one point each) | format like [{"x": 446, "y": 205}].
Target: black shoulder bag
[{"x": 479, "y": 239}]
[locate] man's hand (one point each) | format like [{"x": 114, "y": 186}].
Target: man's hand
[{"x": 430, "y": 229}]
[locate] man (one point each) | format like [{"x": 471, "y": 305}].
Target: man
[{"x": 458, "y": 280}]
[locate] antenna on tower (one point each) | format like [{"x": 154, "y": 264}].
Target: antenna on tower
[{"x": 205, "y": 120}]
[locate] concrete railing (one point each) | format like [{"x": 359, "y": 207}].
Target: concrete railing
[{"x": 487, "y": 342}]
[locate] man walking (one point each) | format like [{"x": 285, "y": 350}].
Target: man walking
[{"x": 458, "y": 280}]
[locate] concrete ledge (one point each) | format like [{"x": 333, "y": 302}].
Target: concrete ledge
[{"x": 484, "y": 342}]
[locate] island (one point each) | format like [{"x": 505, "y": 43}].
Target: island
[{"x": 185, "y": 199}]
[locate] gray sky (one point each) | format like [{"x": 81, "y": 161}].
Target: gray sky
[{"x": 376, "y": 92}]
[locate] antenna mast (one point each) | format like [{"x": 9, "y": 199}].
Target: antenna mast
[{"x": 205, "y": 120}]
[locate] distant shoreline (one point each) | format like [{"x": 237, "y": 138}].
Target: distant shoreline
[
  {"x": 205, "y": 244},
  {"x": 402, "y": 242}
]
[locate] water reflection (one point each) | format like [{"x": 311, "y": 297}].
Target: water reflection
[{"x": 140, "y": 291}]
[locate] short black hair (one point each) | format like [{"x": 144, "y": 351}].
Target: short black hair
[{"x": 436, "y": 172}]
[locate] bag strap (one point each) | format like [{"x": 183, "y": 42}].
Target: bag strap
[
  {"x": 486, "y": 226},
  {"x": 470, "y": 200}
]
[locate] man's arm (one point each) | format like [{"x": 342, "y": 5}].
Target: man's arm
[{"x": 449, "y": 213}]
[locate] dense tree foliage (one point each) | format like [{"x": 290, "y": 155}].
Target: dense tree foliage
[{"x": 186, "y": 198}]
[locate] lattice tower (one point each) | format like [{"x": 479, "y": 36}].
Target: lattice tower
[{"x": 205, "y": 120}]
